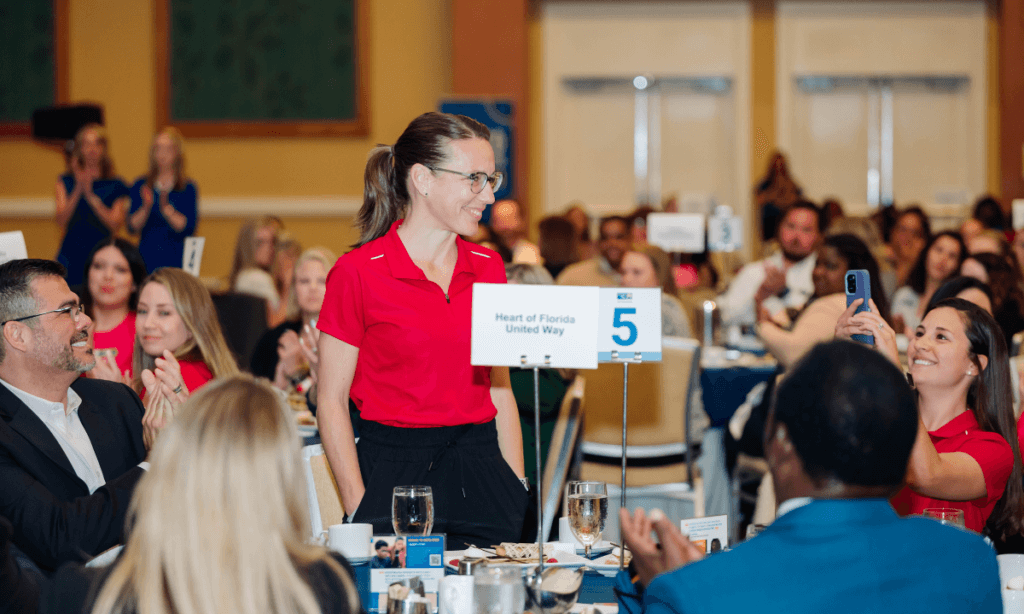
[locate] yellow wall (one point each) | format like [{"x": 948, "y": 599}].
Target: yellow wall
[{"x": 112, "y": 59}]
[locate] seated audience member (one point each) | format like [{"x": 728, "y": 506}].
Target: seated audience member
[
  {"x": 90, "y": 200},
  {"x": 577, "y": 215},
  {"x": 284, "y": 355},
  {"x": 939, "y": 261},
  {"x": 988, "y": 242},
  {"x": 776, "y": 192},
  {"x": 966, "y": 454},
  {"x": 178, "y": 333},
  {"x": 867, "y": 231},
  {"x": 553, "y": 384},
  {"x": 817, "y": 321},
  {"x": 647, "y": 266},
  {"x": 988, "y": 211},
  {"x": 781, "y": 281},
  {"x": 162, "y": 233},
  {"x": 196, "y": 543},
  {"x": 910, "y": 233},
  {"x": 70, "y": 447},
  {"x": 507, "y": 222},
  {"x": 557, "y": 244},
  {"x": 838, "y": 440},
  {"x": 638, "y": 224},
  {"x": 1007, "y": 296},
  {"x": 285, "y": 256},
  {"x": 603, "y": 269},
  {"x": 255, "y": 250},
  {"x": 968, "y": 288},
  {"x": 113, "y": 275}
]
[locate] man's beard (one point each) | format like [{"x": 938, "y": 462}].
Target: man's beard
[
  {"x": 65, "y": 359},
  {"x": 788, "y": 255}
]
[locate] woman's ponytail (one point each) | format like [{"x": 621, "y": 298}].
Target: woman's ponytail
[{"x": 381, "y": 205}]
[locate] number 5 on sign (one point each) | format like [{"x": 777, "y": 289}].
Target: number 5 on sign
[{"x": 629, "y": 325}]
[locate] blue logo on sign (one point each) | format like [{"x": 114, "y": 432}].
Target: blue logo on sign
[{"x": 625, "y": 296}]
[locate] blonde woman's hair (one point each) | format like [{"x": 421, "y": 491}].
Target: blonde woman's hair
[
  {"x": 218, "y": 525},
  {"x": 195, "y": 307},
  {"x": 106, "y": 164},
  {"x": 318, "y": 254},
  {"x": 245, "y": 245},
  {"x": 179, "y": 160}
]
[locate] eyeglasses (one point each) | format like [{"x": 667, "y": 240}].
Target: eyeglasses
[
  {"x": 478, "y": 179},
  {"x": 74, "y": 310}
]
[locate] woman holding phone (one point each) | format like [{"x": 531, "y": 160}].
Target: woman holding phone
[{"x": 396, "y": 324}]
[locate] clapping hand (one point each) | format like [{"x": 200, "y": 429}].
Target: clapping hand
[
  {"x": 147, "y": 196},
  {"x": 165, "y": 392},
  {"x": 650, "y": 558},
  {"x": 106, "y": 369},
  {"x": 308, "y": 344}
]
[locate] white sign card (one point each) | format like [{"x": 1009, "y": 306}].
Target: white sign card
[
  {"x": 193, "y": 256},
  {"x": 629, "y": 326},
  {"x": 725, "y": 231},
  {"x": 1017, "y": 212},
  {"x": 552, "y": 326},
  {"x": 12, "y": 246},
  {"x": 710, "y": 532},
  {"x": 676, "y": 232}
]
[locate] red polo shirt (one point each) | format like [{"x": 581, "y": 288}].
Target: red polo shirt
[
  {"x": 413, "y": 368},
  {"x": 990, "y": 450}
]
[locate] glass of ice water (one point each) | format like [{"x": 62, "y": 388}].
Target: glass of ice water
[
  {"x": 412, "y": 510},
  {"x": 588, "y": 511}
]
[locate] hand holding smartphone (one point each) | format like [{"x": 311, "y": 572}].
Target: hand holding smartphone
[{"x": 858, "y": 285}]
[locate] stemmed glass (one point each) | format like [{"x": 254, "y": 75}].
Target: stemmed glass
[
  {"x": 588, "y": 511},
  {"x": 412, "y": 510}
]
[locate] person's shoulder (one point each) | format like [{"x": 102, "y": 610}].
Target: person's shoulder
[
  {"x": 480, "y": 257},
  {"x": 577, "y": 270},
  {"x": 938, "y": 541}
]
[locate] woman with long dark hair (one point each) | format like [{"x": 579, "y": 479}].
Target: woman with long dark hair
[
  {"x": 396, "y": 324},
  {"x": 938, "y": 261},
  {"x": 966, "y": 455}
]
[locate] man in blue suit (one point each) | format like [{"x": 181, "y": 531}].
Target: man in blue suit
[{"x": 837, "y": 440}]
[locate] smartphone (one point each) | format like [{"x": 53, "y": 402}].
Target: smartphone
[{"x": 858, "y": 285}]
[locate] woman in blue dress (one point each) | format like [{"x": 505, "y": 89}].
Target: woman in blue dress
[
  {"x": 90, "y": 201},
  {"x": 162, "y": 232}
]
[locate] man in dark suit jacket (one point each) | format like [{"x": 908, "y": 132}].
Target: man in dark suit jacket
[
  {"x": 71, "y": 449},
  {"x": 837, "y": 441}
]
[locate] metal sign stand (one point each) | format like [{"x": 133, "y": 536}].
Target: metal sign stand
[
  {"x": 637, "y": 358},
  {"x": 540, "y": 471}
]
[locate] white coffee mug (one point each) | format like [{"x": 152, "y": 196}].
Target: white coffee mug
[
  {"x": 351, "y": 540},
  {"x": 565, "y": 533}
]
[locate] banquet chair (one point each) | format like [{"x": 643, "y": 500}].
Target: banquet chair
[
  {"x": 563, "y": 453},
  {"x": 243, "y": 318},
  {"x": 325, "y": 507},
  {"x": 659, "y": 446}
]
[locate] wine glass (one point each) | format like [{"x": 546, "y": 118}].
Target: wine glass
[
  {"x": 588, "y": 510},
  {"x": 945, "y": 515},
  {"x": 412, "y": 510}
]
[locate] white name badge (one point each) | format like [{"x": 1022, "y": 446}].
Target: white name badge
[
  {"x": 192, "y": 258},
  {"x": 629, "y": 328},
  {"x": 551, "y": 326},
  {"x": 12, "y": 246},
  {"x": 676, "y": 232}
]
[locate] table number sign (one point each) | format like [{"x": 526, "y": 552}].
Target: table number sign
[
  {"x": 552, "y": 326},
  {"x": 193, "y": 257},
  {"x": 676, "y": 232},
  {"x": 629, "y": 327},
  {"x": 12, "y": 246}
]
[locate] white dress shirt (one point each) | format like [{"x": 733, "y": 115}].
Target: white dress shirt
[
  {"x": 737, "y": 303},
  {"x": 67, "y": 429}
]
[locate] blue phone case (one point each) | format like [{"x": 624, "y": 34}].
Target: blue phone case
[{"x": 862, "y": 289}]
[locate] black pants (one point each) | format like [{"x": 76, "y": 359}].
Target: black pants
[{"x": 477, "y": 497}]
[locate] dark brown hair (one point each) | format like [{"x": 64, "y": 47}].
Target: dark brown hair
[
  {"x": 557, "y": 241},
  {"x": 425, "y": 141}
]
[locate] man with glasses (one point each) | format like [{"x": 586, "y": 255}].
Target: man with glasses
[
  {"x": 71, "y": 449},
  {"x": 603, "y": 269}
]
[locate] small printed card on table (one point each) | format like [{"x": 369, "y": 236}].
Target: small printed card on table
[
  {"x": 192, "y": 258},
  {"x": 552, "y": 326},
  {"x": 423, "y": 558},
  {"x": 676, "y": 232},
  {"x": 710, "y": 532},
  {"x": 629, "y": 325}
]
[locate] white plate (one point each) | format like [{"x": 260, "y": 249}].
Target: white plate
[
  {"x": 307, "y": 430},
  {"x": 606, "y": 565},
  {"x": 602, "y": 547}
]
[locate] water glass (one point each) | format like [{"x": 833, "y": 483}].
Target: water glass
[
  {"x": 412, "y": 510},
  {"x": 946, "y": 515},
  {"x": 499, "y": 589},
  {"x": 588, "y": 511}
]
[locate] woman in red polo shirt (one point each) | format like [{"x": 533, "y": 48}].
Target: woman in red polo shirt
[
  {"x": 966, "y": 454},
  {"x": 397, "y": 320}
]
